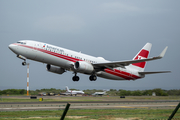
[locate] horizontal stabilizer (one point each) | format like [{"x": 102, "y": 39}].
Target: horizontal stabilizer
[{"x": 144, "y": 73}]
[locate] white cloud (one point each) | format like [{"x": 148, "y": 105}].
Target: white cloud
[{"x": 60, "y": 24}]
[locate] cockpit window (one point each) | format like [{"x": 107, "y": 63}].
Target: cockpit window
[{"x": 21, "y": 42}]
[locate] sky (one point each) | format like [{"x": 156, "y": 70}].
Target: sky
[{"x": 113, "y": 29}]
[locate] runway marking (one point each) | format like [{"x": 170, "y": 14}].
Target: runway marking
[
  {"x": 129, "y": 107},
  {"x": 31, "y": 108},
  {"x": 88, "y": 106},
  {"x": 57, "y": 107},
  {"x": 173, "y": 105}
]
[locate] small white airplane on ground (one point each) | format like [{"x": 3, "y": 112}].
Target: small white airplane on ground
[
  {"x": 59, "y": 60},
  {"x": 73, "y": 92},
  {"x": 99, "y": 93}
]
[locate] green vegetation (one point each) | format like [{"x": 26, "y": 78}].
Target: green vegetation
[
  {"x": 158, "y": 92},
  {"x": 32, "y": 92},
  {"x": 111, "y": 92},
  {"x": 13, "y": 92},
  {"x": 88, "y": 114}
]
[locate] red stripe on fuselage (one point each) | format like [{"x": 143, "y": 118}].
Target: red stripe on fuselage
[
  {"x": 119, "y": 73},
  {"x": 122, "y": 74}
]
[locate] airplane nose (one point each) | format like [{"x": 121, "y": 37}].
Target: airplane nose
[{"x": 11, "y": 47}]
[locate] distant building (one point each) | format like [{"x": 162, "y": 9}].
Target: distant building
[
  {"x": 153, "y": 94},
  {"x": 42, "y": 94}
]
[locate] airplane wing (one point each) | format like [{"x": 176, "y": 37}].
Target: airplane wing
[
  {"x": 144, "y": 73},
  {"x": 111, "y": 65}
]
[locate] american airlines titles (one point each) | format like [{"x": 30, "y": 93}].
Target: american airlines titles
[
  {"x": 60, "y": 51},
  {"x": 54, "y": 49}
]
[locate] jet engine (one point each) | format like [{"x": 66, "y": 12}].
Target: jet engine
[
  {"x": 55, "y": 69},
  {"x": 83, "y": 66}
]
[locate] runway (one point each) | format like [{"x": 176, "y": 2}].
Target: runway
[{"x": 20, "y": 106}]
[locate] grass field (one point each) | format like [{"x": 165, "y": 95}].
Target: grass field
[{"x": 87, "y": 114}]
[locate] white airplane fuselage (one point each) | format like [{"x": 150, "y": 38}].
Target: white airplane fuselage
[
  {"x": 73, "y": 92},
  {"x": 59, "y": 60},
  {"x": 99, "y": 93}
]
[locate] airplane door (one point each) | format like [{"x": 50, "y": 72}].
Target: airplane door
[
  {"x": 35, "y": 47},
  {"x": 34, "y": 51}
]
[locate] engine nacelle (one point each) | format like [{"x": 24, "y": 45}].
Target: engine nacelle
[
  {"x": 83, "y": 66},
  {"x": 55, "y": 69}
]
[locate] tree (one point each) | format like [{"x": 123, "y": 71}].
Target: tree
[
  {"x": 159, "y": 92},
  {"x": 136, "y": 93},
  {"x": 125, "y": 93},
  {"x": 147, "y": 92}
]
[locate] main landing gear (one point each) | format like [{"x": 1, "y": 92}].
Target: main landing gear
[
  {"x": 75, "y": 78},
  {"x": 91, "y": 78}
]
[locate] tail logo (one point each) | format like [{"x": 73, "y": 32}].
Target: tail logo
[
  {"x": 143, "y": 54},
  {"x": 140, "y": 57}
]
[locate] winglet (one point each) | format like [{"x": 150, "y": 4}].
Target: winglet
[{"x": 163, "y": 52}]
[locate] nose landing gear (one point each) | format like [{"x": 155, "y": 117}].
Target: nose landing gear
[
  {"x": 24, "y": 63},
  {"x": 23, "y": 58}
]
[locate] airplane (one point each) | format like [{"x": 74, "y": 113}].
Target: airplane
[
  {"x": 99, "y": 93},
  {"x": 73, "y": 92},
  {"x": 60, "y": 60},
  {"x": 65, "y": 93}
]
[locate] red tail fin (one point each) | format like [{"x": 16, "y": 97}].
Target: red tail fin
[{"x": 142, "y": 54}]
